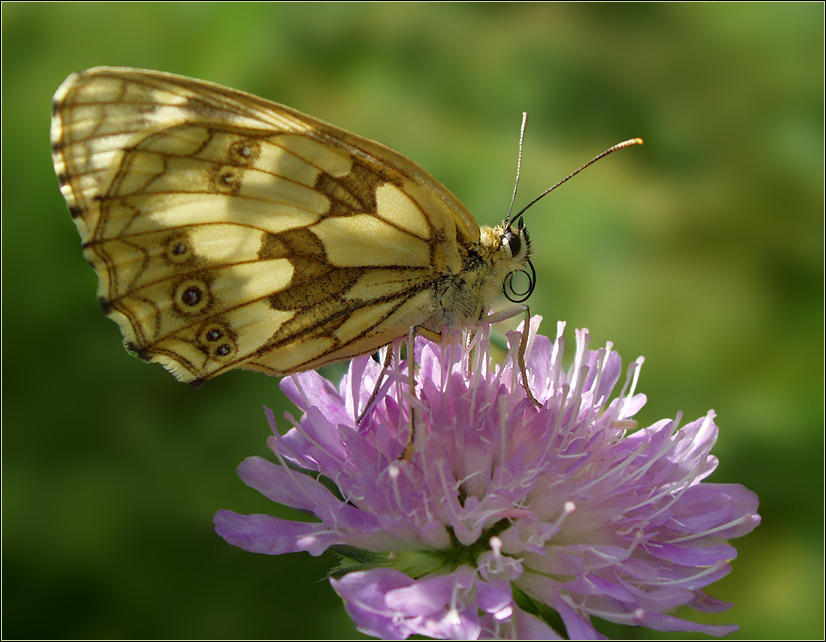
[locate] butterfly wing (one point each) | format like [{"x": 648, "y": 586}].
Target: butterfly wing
[{"x": 228, "y": 231}]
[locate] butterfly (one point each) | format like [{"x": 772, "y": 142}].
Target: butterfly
[{"x": 229, "y": 232}]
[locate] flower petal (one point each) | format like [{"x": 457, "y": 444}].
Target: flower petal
[{"x": 273, "y": 536}]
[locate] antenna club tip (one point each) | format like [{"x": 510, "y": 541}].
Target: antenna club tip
[{"x": 638, "y": 141}]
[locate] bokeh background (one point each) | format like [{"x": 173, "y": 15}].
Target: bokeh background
[{"x": 702, "y": 250}]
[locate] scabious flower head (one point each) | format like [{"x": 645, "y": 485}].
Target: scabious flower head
[{"x": 503, "y": 519}]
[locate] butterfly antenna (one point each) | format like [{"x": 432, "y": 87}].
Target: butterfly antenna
[
  {"x": 610, "y": 150},
  {"x": 518, "y": 163}
]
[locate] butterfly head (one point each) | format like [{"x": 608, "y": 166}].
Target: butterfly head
[{"x": 514, "y": 251}]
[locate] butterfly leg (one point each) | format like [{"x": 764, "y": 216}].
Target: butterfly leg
[
  {"x": 388, "y": 360},
  {"x": 407, "y": 454},
  {"x": 509, "y": 313},
  {"x": 393, "y": 351}
]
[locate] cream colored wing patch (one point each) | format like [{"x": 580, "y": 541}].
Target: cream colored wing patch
[{"x": 228, "y": 231}]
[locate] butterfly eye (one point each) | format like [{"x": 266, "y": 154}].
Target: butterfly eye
[{"x": 513, "y": 241}]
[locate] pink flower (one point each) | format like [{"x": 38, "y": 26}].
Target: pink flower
[{"x": 507, "y": 520}]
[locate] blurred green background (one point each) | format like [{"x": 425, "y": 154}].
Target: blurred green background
[{"x": 702, "y": 250}]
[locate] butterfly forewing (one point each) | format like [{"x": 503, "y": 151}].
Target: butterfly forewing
[{"x": 228, "y": 231}]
